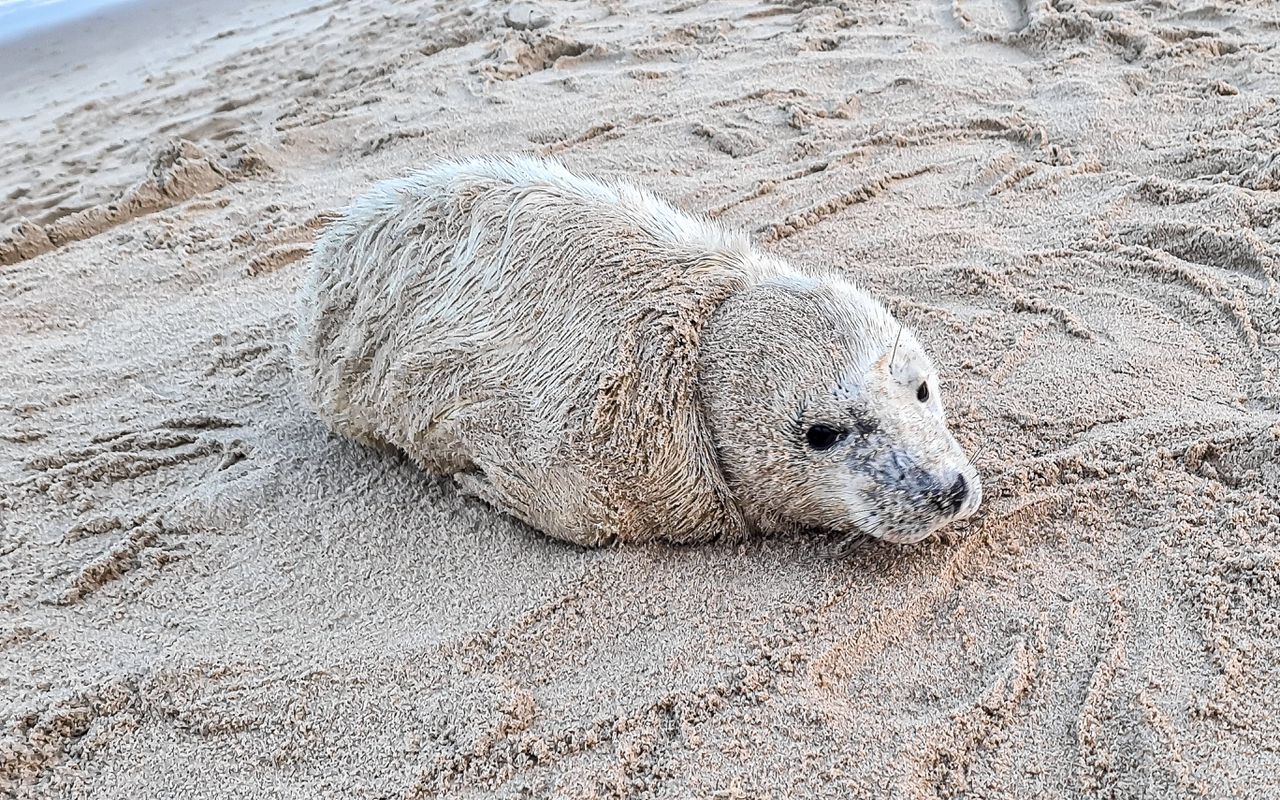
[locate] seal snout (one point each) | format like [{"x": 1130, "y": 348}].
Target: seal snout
[
  {"x": 952, "y": 494},
  {"x": 953, "y": 498},
  {"x": 964, "y": 495}
]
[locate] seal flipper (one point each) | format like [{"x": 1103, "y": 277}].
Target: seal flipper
[
  {"x": 486, "y": 437},
  {"x": 508, "y": 492}
]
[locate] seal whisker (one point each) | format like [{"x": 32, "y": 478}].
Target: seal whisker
[{"x": 973, "y": 459}]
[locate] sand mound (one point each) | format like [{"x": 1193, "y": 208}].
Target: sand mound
[{"x": 179, "y": 171}]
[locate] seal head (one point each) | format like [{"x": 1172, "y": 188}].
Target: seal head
[{"x": 827, "y": 414}]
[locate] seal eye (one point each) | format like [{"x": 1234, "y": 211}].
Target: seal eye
[
  {"x": 922, "y": 392},
  {"x": 822, "y": 437}
]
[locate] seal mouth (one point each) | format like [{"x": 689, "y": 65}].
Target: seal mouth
[
  {"x": 906, "y": 515},
  {"x": 843, "y": 544},
  {"x": 871, "y": 527}
]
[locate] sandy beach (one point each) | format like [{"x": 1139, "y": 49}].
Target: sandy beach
[{"x": 1075, "y": 203}]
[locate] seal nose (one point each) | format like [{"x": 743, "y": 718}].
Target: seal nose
[{"x": 954, "y": 497}]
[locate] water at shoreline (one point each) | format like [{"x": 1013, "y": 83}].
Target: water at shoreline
[{"x": 21, "y": 17}]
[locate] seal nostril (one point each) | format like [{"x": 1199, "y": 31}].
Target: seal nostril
[{"x": 957, "y": 494}]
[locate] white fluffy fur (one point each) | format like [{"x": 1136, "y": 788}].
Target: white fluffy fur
[{"x": 536, "y": 336}]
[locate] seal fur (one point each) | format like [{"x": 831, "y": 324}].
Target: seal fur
[{"x": 537, "y": 336}]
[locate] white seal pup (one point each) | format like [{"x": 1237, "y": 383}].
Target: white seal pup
[{"x": 605, "y": 367}]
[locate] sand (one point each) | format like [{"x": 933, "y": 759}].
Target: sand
[{"x": 1075, "y": 203}]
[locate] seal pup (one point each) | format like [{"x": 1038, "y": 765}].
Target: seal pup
[{"x": 604, "y": 367}]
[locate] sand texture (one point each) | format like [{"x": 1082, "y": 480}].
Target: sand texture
[{"x": 1076, "y": 203}]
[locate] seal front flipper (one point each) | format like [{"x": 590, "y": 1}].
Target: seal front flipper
[
  {"x": 477, "y": 484},
  {"x": 492, "y": 442},
  {"x": 560, "y": 513}
]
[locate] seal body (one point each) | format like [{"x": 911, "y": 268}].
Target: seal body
[{"x": 571, "y": 351}]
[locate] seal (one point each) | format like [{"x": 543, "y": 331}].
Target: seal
[{"x": 605, "y": 367}]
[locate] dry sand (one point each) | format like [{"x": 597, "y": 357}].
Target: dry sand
[{"x": 1076, "y": 203}]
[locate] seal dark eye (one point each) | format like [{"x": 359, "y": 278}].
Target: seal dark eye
[
  {"x": 922, "y": 392},
  {"x": 823, "y": 437}
]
